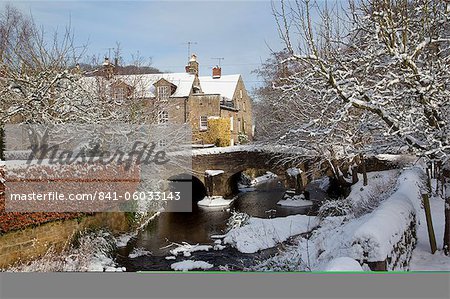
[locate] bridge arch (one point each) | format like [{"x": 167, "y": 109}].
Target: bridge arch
[
  {"x": 199, "y": 190},
  {"x": 233, "y": 162},
  {"x": 232, "y": 179}
]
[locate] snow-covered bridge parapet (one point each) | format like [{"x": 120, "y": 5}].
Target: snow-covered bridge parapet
[
  {"x": 387, "y": 236},
  {"x": 220, "y": 168}
]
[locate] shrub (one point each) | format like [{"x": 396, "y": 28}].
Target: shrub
[
  {"x": 375, "y": 196},
  {"x": 242, "y": 138},
  {"x": 218, "y": 132},
  {"x": 335, "y": 207},
  {"x": 237, "y": 219}
]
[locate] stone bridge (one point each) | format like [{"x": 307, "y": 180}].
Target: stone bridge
[
  {"x": 219, "y": 172},
  {"x": 216, "y": 173}
]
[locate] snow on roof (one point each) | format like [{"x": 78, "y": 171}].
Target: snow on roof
[
  {"x": 225, "y": 85},
  {"x": 183, "y": 82},
  {"x": 144, "y": 83}
]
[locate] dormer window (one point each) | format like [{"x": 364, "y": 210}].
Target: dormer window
[{"x": 163, "y": 92}]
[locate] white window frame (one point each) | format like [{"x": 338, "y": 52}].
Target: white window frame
[
  {"x": 231, "y": 124},
  {"x": 163, "y": 117},
  {"x": 203, "y": 123},
  {"x": 239, "y": 126},
  {"x": 163, "y": 92}
]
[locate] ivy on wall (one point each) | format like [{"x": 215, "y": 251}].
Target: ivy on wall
[{"x": 218, "y": 132}]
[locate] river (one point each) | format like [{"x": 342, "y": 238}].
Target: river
[{"x": 198, "y": 226}]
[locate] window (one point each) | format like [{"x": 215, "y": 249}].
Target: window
[
  {"x": 162, "y": 143},
  {"x": 243, "y": 106},
  {"x": 203, "y": 123},
  {"x": 163, "y": 117},
  {"x": 163, "y": 93},
  {"x": 231, "y": 124},
  {"x": 239, "y": 125},
  {"x": 240, "y": 93},
  {"x": 118, "y": 94}
]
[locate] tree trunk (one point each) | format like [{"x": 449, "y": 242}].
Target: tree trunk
[
  {"x": 446, "y": 194},
  {"x": 364, "y": 171},
  {"x": 2, "y": 144},
  {"x": 431, "y": 235},
  {"x": 447, "y": 220},
  {"x": 429, "y": 175},
  {"x": 438, "y": 176},
  {"x": 355, "y": 178}
]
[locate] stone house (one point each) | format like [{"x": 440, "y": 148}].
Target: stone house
[{"x": 189, "y": 98}]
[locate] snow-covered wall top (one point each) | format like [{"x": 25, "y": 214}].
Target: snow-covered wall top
[{"x": 384, "y": 228}]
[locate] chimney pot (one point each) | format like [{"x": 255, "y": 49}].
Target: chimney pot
[
  {"x": 106, "y": 62},
  {"x": 192, "y": 66},
  {"x": 217, "y": 72}
]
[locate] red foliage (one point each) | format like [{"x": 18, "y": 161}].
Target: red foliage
[
  {"x": 10, "y": 221},
  {"x": 113, "y": 176}
]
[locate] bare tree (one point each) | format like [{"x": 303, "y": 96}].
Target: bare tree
[
  {"x": 39, "y": 82},
  {"x": 385, "y": 59}
]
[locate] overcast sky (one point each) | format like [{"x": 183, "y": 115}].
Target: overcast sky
[{"x": 239, "y": 31}]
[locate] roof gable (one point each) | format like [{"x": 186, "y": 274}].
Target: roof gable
[{"x": 225, "y": 85}]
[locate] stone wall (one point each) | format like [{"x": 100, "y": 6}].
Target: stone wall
[
  {"x": 386, "y": 238},
  {"x": 31, "y": 242},
  {"x": 401, "y": 253},
  {"x": 202, "y": 105},
  {"x": 243, "y": 103}
]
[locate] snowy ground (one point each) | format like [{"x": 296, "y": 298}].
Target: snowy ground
[
  {"x": 264, "y": 178},
  {"x": 295, "y": 201},
  {"x": 422, "y": 259},
  {"x": 187, "y": 249},
  {"x": 215, "y": 201},
  {"x": 251, "y": 186},
  {"x": 191, "y": 265},
  {"x": 377, "y": 224},
  {"x": 343, "y": 264},
  {"x": 139, "y": 252},
  {"x": 260, "y": 234}
]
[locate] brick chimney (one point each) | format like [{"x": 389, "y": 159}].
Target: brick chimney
[
  {"x": 192, "y": 67},
  {"x": 216, "y": 72},
  {"x": 108, "y": 68}
]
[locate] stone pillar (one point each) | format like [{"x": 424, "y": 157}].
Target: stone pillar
[
  {"x": 299, "y": 186},
  {"x": 209, "y": 185},
  {"x": 220, "y": 186},
  {"x": 216, "y": 185}
]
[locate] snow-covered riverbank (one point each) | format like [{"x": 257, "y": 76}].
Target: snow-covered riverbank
[
  {"x": 260, "y": 234},
  {"x": 376, "y": 216}
]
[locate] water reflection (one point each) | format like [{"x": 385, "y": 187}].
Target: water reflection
[{"x": 198, "y": 226}]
